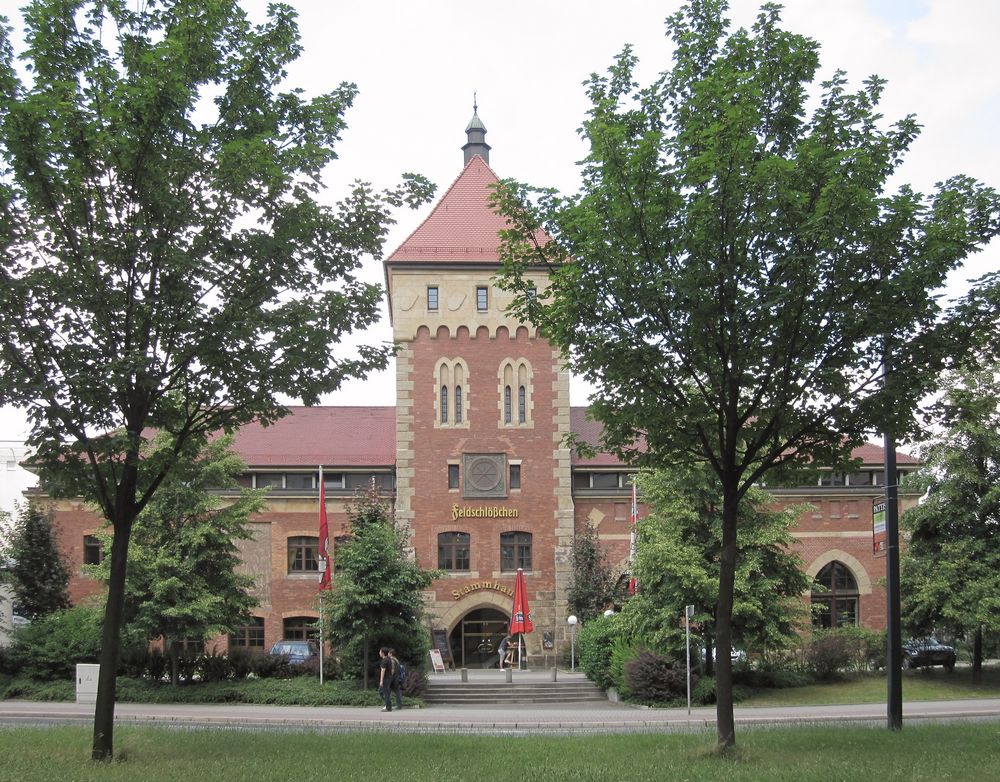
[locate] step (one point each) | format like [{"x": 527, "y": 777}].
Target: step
[{"x": 491, "y": 692}]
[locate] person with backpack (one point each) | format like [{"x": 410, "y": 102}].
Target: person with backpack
[
  {"x": 399, "y": 678},
  {"x": 386, "y": 671}
]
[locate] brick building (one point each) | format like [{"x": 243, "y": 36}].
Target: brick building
[{"x": 473, "y": 457}]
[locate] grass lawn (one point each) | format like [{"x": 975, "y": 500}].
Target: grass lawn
[
  {"x": 925, "y": 752},
  {"x": 923, "y": 684}
]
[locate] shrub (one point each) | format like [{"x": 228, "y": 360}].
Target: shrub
[
  {"x": 621, "y": 654},
  {"x": 594, "y": 643},
  {"x": 415, "y": 684},
  {"x": 655, "y": 678},
  {"x": 157, "y": 665},
  {"x": 214, "y": 667},
  {"x": 50, "y": 647},
  {"x": 830, "y": 653},
  {"x": 266, "y": 666},
  {"x": 240, "y": 663},
  {"x": 845, "y": 649},
  {"x": 703, "y": 692},
  {"x": 188, "y": 662}
]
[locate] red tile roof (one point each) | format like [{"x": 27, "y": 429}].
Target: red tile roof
[
  {"x": 332, "y": 436},
  {"x": 462, "y": 226},
  {"x": 366, "y": 437}
]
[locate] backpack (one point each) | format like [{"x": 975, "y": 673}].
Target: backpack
[{"x": 401, "y": 674}]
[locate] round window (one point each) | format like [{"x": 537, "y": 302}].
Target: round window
[{"x": 484, "y": 474}]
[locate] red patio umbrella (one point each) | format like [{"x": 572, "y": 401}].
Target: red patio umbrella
[{"x": 520, "y": 617}]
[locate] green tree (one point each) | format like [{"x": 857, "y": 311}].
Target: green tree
[
  {"x": 950, "y": 569},
  {"x": 168, "y": 264},
  {"x": 594, "y": 584},
  {"x": 678, "y": 563},
  {"x": 727, "y": 273},
  {"x": 183, "y": 574},
  {"x": 34, "y": 566},
  {"x": 376, "y": 588}
]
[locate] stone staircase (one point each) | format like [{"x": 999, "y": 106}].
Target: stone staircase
[{"x": 533, "y": 690}]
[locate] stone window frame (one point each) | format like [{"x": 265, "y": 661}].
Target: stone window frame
[
  {"x": 515, "y": 374},
  {"x": 451, "y": 393}
]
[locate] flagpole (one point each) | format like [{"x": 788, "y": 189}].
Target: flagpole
[{"x": 323, "y": 559}]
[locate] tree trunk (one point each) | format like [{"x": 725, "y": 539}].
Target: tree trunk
[
  {"x": 725, "y": 721},
  {"x": 364, "y": 664},
  {"x": 171, "y": 647},
  {"x": 977, "y": 656},
  {"x": 104, "y": 709}
]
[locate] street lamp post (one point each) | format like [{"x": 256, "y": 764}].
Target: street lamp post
[{"x": 571, "y": 621}]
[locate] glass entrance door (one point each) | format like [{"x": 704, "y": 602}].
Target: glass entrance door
[{"x": 477, "y": 637}]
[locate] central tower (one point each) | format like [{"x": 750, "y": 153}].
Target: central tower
[{"x": 482, "y": 475}]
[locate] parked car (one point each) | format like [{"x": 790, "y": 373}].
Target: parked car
[
  {"x": 297, "y": 652},
  {"x": 736, "y": 655},
  {"x": 921, "y": 652}
]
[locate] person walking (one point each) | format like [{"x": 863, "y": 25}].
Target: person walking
[
  {"x": 385, "y": 673},
  {"x": 504, "y": 644},
  {"x": 399, "y": 676}
]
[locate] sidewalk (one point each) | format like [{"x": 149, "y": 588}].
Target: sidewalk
[{"x": 510, "y": 720}]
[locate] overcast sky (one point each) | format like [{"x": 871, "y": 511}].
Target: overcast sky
[{"x": 417, "y": 65}]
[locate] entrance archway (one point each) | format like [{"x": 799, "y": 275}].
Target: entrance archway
[{"x": 476, "y": 636}]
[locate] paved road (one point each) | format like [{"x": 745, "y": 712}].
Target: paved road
[{"x": 525, "y": 719}]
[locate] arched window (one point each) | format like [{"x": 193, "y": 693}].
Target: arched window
[
  {"x": 836, "y": 600},
  {"x": 303, "y": 554},
  {"x": 515, "y": 378},
  {"x": 451, "y": 388},
  {"x": 453, "y": 550},
  {"x": 515, "y": 551}
]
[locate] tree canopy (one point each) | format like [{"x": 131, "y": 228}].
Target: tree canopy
[
  {"x": 735, "y": 264},
  {"x": 595, "y": 585},
  {"x": 677, "y": 564},
  {"x": 376, "y": 588},
  {"x": 33, "y": 565},
  {"x": 184, "y": 578},
  {"x": 950, "y": 568},
  {"x": 168, "y": 261}
]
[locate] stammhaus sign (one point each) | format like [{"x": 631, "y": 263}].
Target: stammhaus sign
[
  {"x": 496, "y": 586},
  {"x": 482, "y": 512}
]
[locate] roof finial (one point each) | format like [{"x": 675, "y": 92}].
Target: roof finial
[{"x": 476, "y": 134}]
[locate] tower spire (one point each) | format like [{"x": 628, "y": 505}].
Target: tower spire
[{"x": 475, "y": 134}]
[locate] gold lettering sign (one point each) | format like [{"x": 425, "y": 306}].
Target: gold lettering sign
[
  {"x": 482, "y": 512},
  {"x": 496, "y": 586}
]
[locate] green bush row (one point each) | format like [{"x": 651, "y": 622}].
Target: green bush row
[{"x": 611, "y": 658}]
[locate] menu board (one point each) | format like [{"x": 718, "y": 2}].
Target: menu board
[{"x": 439, "y": 641}]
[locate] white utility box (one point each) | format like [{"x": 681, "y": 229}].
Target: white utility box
[{"x": 86, "y": 682}]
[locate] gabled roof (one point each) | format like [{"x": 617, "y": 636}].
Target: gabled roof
[
  {"x": 462, "y": 226},
  {"x": 332, "y": 436}
]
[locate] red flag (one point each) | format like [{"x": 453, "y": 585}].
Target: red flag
[
  {"x": 520, "y": 618},
  {"x": 324, "y": 537}
]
